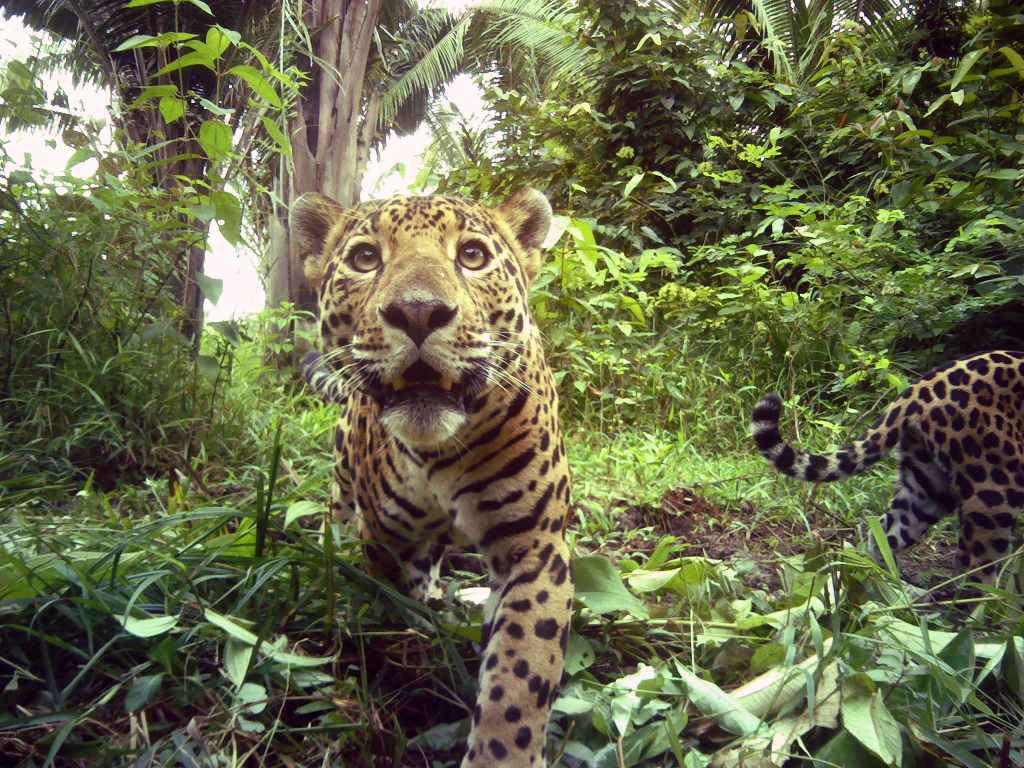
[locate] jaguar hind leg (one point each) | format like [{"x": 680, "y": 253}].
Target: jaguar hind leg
[
  {"x": 923, "y": 496},
  {"x": 986, "y": 527}
]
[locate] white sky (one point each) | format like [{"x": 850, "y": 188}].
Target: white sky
[{"x": 243, "y": 291}]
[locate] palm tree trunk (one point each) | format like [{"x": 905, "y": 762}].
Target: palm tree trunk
[{"x": 327, "y": 132}]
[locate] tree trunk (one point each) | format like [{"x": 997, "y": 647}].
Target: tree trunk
[{"x": 329, "y": 132}]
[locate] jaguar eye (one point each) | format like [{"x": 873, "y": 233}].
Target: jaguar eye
[
  {"x": 364, "y": 258},
  {"x": 473, "y": 256}
]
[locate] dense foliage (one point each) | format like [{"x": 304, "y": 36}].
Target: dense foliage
[
  {"x": 869, "y": 211},
  {"x": 736, "y": 217}
]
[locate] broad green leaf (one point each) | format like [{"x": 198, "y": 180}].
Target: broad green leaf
[
  {"x": 161, "y": 329},
  {"x": 231, "y": 626},
  {"x": 215, "y": 139},
  {"x": 600, "y": 588},
  {"x": 143, "y": 691},
  {"x": 866, "y": 717},
  {"x": 274, "y": 131},
  {"x": 214, "y": 109},
  {"x": 1015, "y": 59},
  {"x": 197, "y": 3},
  {"x": 651, "y": 581},
  {"x": 579, "y": 654},
  {"x": 259, "y": 84},
  {"x": 193, "y": 59},
  {"x": 1008, "y": 174},
  {"x": 171, "y": 108},
  {"x": 296, "y": 660},
  {"x": 300, "y": 508},
  {"x": 153, "y": 41},
  {"x": 237, "y": 657},
  {"x": 632, "y": 184},
  {"x": 572, "y": 705},
  {"x": 218, "y": 40},
  {"x": 253, "y": 697},
  {"x": 937, "y": 103},
  {"x": 712, "y": 700},
  {"x": 966, "y": 63},
  {"x": 309, "y": 678},
  {"x": 154, "y": 92},
  {"x": 211, "y": 287},
  {"x": 204, "y": 212},
  {"x": 228, "y": 211},
  {"x": 844, "y": 750},
  {"x": 80, "y": 156},
  {"x": 228, "y": 329},
  {"x": 150, "y": 627},
  {"x": 209, "y": 366}
]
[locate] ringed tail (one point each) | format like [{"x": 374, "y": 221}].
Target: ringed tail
[{"x": 818, "y": 467}]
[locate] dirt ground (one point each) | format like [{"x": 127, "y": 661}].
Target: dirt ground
[{"x": 743, "y": 532}]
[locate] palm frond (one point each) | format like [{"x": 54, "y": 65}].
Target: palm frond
[{"x": 431, "y": 54}]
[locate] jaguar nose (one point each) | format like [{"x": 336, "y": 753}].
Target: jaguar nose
[{"x": 418, "y": 319}]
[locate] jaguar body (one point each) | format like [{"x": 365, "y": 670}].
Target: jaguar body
[{"x": 450, "y": 434}]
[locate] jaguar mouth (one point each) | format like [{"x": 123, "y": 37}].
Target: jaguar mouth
[{"x": 421, "y": 384}]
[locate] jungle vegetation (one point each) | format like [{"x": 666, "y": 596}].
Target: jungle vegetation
[{"x": 818, "y": 197}]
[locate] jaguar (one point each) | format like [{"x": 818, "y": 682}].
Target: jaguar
[
  {"x": 450, "y": 433},
  {"x": 959, "y": 433}
]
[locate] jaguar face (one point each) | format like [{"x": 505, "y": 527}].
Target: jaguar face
[{"x": 423, "y": 301}]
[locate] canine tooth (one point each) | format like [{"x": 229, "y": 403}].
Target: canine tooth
[
  {"x": 398, "y": 384},
  {"x": 447, "y": 384}
]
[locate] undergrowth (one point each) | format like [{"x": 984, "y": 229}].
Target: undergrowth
[{"x": 209, "y": 620}]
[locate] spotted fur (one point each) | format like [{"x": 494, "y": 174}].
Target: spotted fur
[
  {"x": 451, "y": 432},
  {"x": 959, "y": 432}
]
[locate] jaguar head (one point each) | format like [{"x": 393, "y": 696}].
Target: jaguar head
[{"x": 423, "y": 301}]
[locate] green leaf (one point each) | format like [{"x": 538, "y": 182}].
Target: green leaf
[
  {"x": 228, "y": 329},
  {"x": 866, "y": 717},
  {"x": 197, "y": 3},
  {"x": 1015, "y": 59},
  {"x": 966, "y": 63},
  {"x": 154, "y": 92},
  {"x": 215, "y": 139},
  {"x": 1005, "y": 173},
  {"x": 301, "y": 508},
  {"x": 712, "y": 700},
  {"x": 259, "y": 84},
  {"x": 253, "y": 696},
  {"x": 211, "y": 287},
  {"x": 218, "y": 40},
  {"x": 161, "y": 329},
  {"x": 237, "y": 657},
  {"x": 80, "y": 156},
  {"x": 643, "y": 580},
  {"x": 276, "y": 134},
  {"x": 153, "y": 41},
  {"x": 209, "y": 366},
  {"x": 571, "y": 705},
  {"x": 228, "y": 211},
  {"x": 171, "y": 108},
  {"x": 600, "y": 588},
  {"x": 193, "y": 59},
  {"x": 632, "y": 184},
  {"x": 150, "y": 627},
  {"x": 143, "y": 691},
  {"x": 579, "y": 654},
  {"x": 231, "y": 626},
  {"x": 843, "y": 749}
]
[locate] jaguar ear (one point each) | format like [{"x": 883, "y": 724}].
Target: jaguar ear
[
  {"x": 311, "y": 219},
  {"x": 528, "y": 214}
]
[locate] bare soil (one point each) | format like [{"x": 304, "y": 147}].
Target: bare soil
[{"x": 743, "y": 532}]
